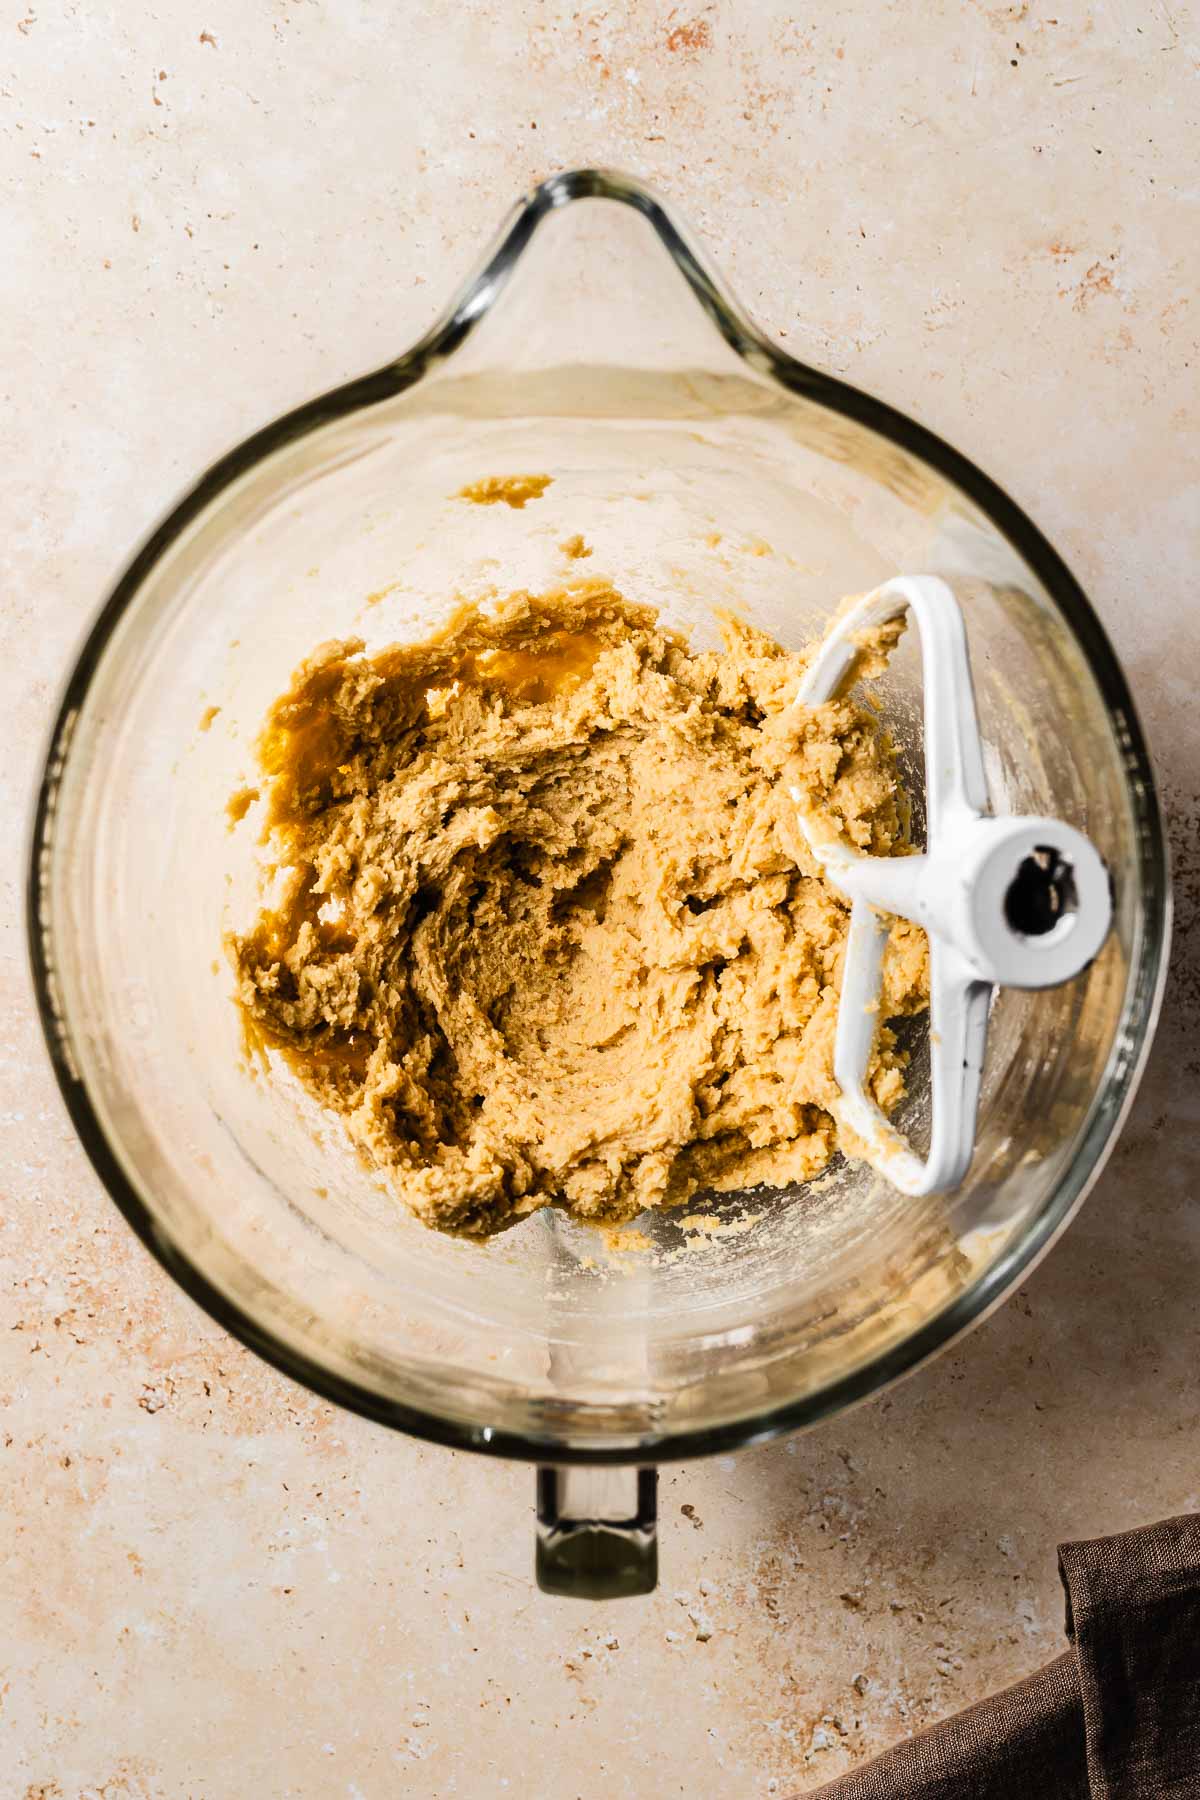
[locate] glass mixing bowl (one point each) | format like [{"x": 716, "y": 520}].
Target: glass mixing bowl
[{"x": 704, "y": 467}]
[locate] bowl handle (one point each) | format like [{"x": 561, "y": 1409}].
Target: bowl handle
[{"x": 597, "y": 1531}]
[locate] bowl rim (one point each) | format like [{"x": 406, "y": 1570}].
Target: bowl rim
[{"x": 1144, "y": 985}]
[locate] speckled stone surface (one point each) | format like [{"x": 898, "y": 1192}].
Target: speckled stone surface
[{"x": 212, "y": 1584}]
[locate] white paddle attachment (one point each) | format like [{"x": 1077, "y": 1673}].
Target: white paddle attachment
[{"x": 1012, "y": 902}]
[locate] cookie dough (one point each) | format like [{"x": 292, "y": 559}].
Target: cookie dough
[
  {"x": 511, "y": 490},
  {"x": 542, "y": 927}
]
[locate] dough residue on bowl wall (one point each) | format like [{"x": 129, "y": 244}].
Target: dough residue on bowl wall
[{"x": 543, "y": 928}]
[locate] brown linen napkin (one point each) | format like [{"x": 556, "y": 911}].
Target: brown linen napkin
[{"x": 1116, "y": 1718}]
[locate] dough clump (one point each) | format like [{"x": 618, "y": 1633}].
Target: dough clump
[{"x": 543, "y": 928}]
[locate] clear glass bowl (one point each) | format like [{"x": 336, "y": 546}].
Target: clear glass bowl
[{"x": 705, "y": 468}]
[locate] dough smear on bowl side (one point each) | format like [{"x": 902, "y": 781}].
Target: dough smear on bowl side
[{"x": 542, "y": 928}]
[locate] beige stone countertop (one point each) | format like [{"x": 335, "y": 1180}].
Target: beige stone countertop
[{"x": 214, "y": 1585}]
